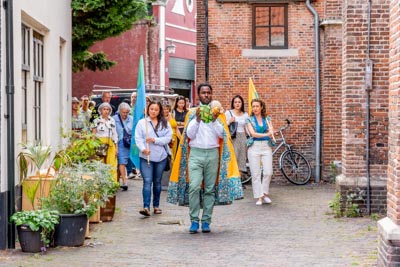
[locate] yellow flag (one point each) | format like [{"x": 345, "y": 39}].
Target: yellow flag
[{"x": 252, "y": 93}]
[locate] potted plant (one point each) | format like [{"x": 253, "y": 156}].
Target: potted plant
[
  {"x": 82, "y": 148},
  {"x": 36, "y": 168},
  {"x": 106, "y": 186},
  {"x": 76, "y": 193},
  {"x": 35, "y": 228}
]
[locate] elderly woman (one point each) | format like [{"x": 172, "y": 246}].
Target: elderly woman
[
  {"x": 104, "y": 128},
  {"x": 124, "y": 123},
  {"x": 152, "y": 136}
]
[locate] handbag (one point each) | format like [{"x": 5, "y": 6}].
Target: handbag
[
  {"x": 233, "y": 127},
  {"x": 102, "y": 149},
  {"x": 127, "y": 138},
  {"x": 249, "y": 141},
  {"x": 168, "y": 165}
]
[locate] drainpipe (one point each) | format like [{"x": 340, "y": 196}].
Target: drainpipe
[
  {"x": 368, "y": 88},
  {"x": 317, "y": 95},
  {"x": 8, "y": 5},
  {"x": 161, "y": 37},
  {"x": 206, "y": 63}
]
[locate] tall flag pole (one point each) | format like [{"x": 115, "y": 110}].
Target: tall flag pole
[
  {"x": 252, "y": 93},
  {"x": 139, "y": 112}
]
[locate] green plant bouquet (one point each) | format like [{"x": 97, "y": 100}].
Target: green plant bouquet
[{"x": 38, "y": 220}]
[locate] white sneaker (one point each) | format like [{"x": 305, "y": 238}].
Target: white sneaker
[
  {"x": 259, "y": 203},
  {"x": 131, "y": 176},
  {"x": 267, "y": 200}
]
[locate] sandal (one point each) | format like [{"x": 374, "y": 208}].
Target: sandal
[
  {"x": 145, "y": 212},
  {"x": 157, "y": 211}
]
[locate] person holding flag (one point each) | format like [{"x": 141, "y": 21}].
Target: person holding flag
[
  {"x": 205, "y": 170},
  {"x": 152, "y": 136}
]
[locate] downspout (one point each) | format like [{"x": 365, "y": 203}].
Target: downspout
[
  {"x": 161, "y": 40},
  {"x": 8, "y": 5},
  {"x": 368, "y": 88},
  {"x": 317, "y": 95},
  {"x": 206, "y": 63}
]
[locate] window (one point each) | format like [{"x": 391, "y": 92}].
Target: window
[
  {"x": 270, "y": 26},
  {"x": 26, "y": 37},
  {"x": 38, "y": 61}
]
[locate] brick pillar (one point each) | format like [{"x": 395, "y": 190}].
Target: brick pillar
[
  {"x": 354, "y": 108},
  {"x": 389, "y": 227},
  {"x": 200, "y": 39},
  {"x": 331, "y": 84}
]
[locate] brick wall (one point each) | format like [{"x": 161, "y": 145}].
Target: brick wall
[
  {"x": 394, "y": 115},
  {"x": 125, "y": 49},
  {"x": 331, "y": 79},
  {"x": 377, "y": 195},
  {"x": 354, "y": 93},
  {"x": 287, "y": 84}
]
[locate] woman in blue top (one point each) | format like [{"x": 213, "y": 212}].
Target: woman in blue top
[
  {"x": 260, "y": 152},
  {"x": 123, "y": 120},
  {"x": 152, "y": 136}
]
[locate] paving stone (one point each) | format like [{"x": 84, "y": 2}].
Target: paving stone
[{"x": 295, "y": 230}]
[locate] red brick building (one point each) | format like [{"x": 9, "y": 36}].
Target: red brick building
[
  {"x": 173, "y": 25},
  {"x": 274, "y": 42},
  {"x": 330, "y": 66}
]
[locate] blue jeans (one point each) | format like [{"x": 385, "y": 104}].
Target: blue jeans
[{"x": 152, "y": 174}]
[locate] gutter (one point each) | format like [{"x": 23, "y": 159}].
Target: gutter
[
  {"x": 9, "y": 116},
  {"x": 317, "y": 95}
]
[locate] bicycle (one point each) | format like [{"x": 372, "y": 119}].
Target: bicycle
[{"x": 293, "y": 165}]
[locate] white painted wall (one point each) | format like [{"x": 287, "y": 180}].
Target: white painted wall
[{"x": 52, "y": 19}]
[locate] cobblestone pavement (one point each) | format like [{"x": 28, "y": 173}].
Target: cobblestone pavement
[{"x": 295, "y": 230}]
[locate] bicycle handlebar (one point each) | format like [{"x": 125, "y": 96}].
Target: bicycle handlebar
[{"x": 286, "y": 126}]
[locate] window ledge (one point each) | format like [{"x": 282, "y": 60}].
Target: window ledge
[{"x": 293, "y": 52}]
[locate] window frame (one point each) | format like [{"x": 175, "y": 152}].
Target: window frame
[
  {"x": 38, "y": 79},
  {"x": 285, "y": 26}
]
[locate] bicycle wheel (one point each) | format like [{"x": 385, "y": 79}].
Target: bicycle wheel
[
  {"x": 246, "y": 178},
  {"x": 295, "y": 167}
]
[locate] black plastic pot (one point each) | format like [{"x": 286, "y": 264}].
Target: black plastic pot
[
  {"x": 29, "y": 240},
  {"x": 70, "y": 232}
]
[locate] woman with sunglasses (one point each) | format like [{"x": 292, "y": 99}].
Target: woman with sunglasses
[{"x": 152, "y": 136}]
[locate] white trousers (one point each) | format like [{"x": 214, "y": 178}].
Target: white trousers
[{"x": 260, "y": 153}]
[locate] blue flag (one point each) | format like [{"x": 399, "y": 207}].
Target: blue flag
[{"x": 138, "y": 112}]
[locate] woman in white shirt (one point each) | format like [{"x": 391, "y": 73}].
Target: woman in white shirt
[
  {"x": 152, "y": 136},
  {"x": 104, "y": 128},
  {"x": 237, "y": 113}
]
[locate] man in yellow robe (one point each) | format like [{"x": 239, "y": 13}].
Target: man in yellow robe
[{"x": 205, "y": 170}]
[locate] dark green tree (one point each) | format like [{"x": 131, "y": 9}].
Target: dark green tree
[{"x": 96, "y": 20}]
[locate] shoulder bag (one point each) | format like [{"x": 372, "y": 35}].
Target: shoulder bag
[
  {"x": 127, "y": 138},
  {"x": 168, "y": 165},
  {"x": 101, "y": 150},
  {"x": 233, "y": 127}
]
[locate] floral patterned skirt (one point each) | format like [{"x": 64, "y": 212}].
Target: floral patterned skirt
[{"x": 239, "y": 144}]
